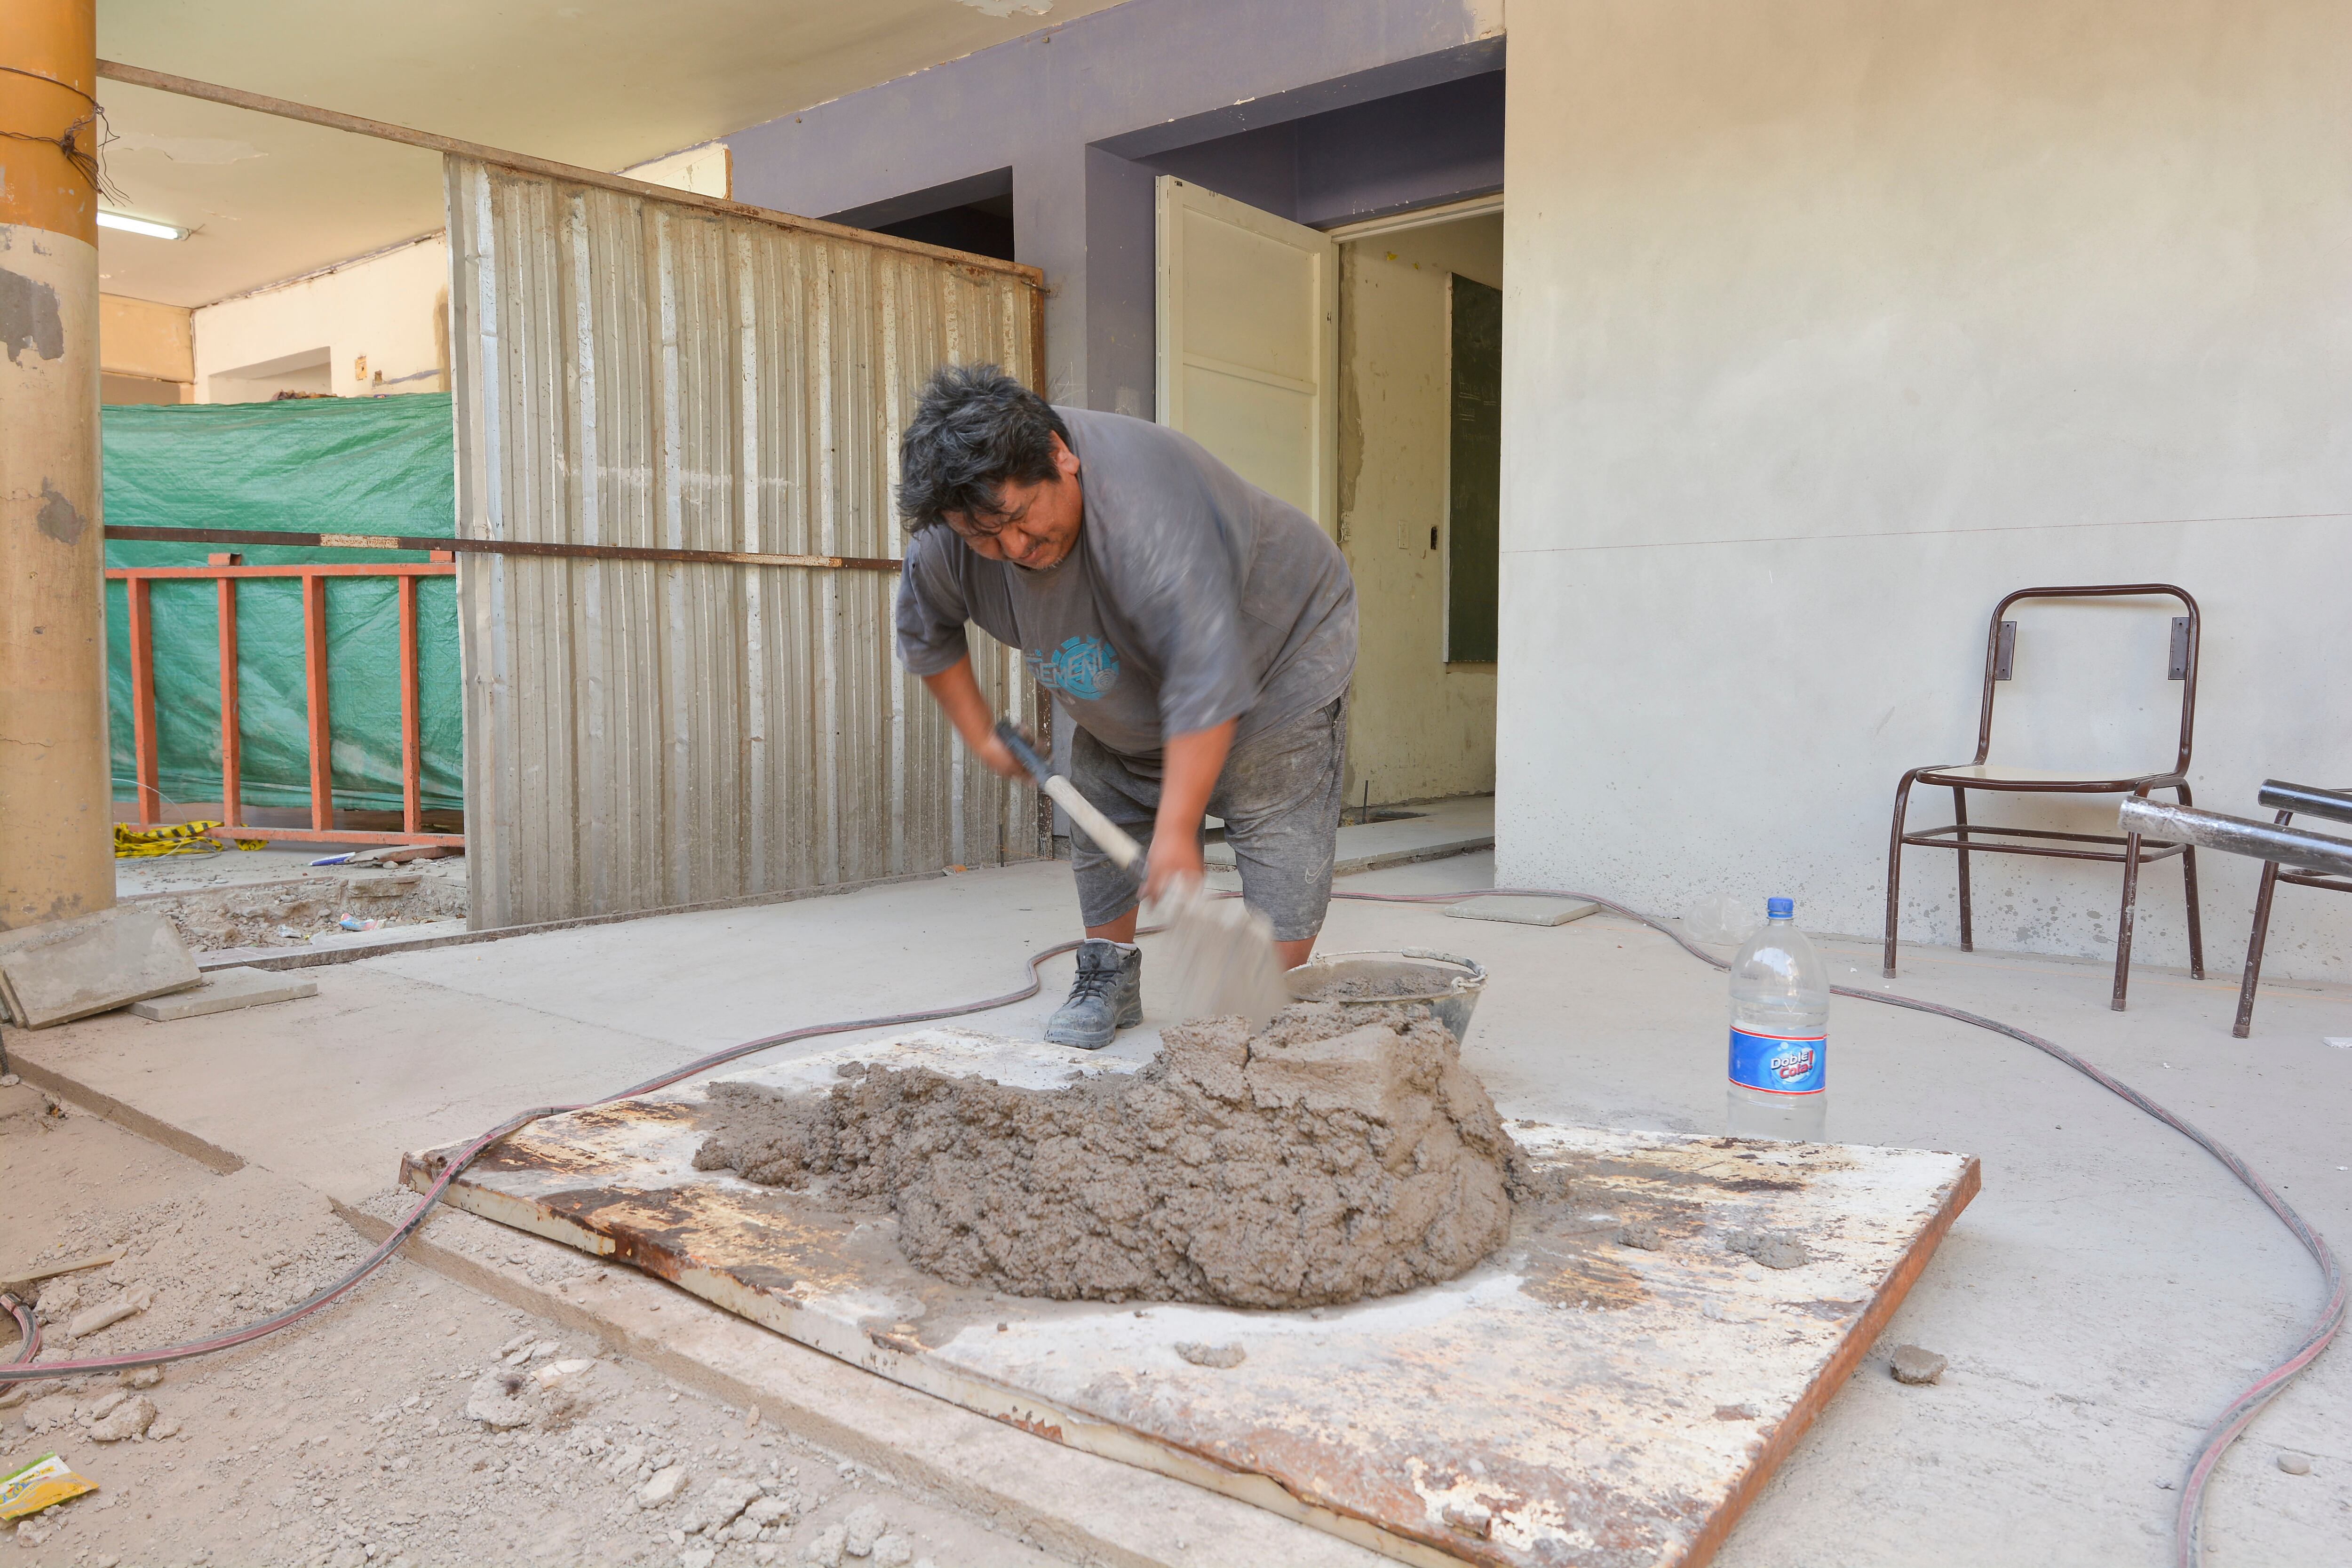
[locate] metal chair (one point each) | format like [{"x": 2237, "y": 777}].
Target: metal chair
[
  {"x": 2130, "y": 850},
  {"x": 2288, "y": 798}
]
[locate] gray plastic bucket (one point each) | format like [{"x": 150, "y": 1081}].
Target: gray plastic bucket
[{"x": 1448, "y": 983}]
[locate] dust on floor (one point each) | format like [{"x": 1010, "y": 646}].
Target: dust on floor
[{"x": 416, "y": 1421}]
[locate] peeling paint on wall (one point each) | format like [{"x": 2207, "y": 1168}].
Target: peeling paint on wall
[
  {"x": 28, "y": 316},
  {"x": 59, "y": 518}
]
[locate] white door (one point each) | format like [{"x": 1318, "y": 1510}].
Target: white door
[{"x": 1249, "y": 342}]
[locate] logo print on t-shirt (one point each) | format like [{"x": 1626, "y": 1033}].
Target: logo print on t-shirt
[{"x": 1083, "y": 668}]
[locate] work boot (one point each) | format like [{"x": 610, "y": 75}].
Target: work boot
[{"x": 1107, "y": 997}]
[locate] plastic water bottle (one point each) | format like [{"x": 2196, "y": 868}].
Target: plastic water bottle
[{"x": 1779, "y": 1034}]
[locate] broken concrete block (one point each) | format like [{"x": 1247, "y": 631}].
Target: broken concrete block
[
  {"x": 64, "y": 970},
  {"x": 862, "y": 1529},
  {"x": 714, "y": 1507},
  {"x": 666, "y": 1485},
  {"x": 561, "y": 1372},
  {"x": 495, "y": 1401},
  {"x": 1523, "y": 911},
  {"x": 106, "y": 1314},
  {"x": 225, "y": 991},
  {"x": 1910, "y": 1364},
  {"x": 128, "y": 1420}
]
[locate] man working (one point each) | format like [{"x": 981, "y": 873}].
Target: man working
[{"x": 1199, "y": 633}]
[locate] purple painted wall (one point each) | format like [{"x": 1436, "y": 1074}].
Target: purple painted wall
[{"x": 1318, "y": 112}]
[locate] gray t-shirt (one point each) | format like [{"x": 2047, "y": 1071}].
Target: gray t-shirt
[{"x": 1191, "y": 597}]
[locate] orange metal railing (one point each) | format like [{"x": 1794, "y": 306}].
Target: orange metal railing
[{"x": 226, "y": 572}]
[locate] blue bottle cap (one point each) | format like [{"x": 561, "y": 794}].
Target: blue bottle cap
[{"x": 1779, "y": 908}]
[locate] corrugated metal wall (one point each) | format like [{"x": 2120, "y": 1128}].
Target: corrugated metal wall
[{"x": 637, "y": 372}]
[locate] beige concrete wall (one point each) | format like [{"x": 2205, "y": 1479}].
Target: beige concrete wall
[
  {"x": 140, "y": 338},
  {"x": 1830, "y": 321},
  {"x": 391, "y": 310},
  {"x": 1416, "y": 729},
  {"x": 121, "y": 389}
]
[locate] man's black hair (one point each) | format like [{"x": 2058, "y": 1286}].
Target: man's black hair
[{"x": 974, "y": 428}]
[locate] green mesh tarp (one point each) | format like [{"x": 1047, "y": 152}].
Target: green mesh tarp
[{"x": 311, "y": 465}]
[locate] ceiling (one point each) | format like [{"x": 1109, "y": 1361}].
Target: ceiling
[{"x": 600, "y": 83}]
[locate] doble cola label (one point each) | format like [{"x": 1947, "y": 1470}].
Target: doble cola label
[{"x": 1778, "y": 1065}]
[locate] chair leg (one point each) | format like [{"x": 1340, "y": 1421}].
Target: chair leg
[
  {"x": 2124, "y": 924},
  {"x": 1961, "y": 819},
  {"x": 2254, "y": 951},
  {"x": 1895, "y": 866},
  {"x": 2188, "y": 887},
  {"x": 2254, "y": 943}
]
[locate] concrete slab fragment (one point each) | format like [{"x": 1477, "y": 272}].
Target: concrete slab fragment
[
  {"x": 1653, "y": 1389},
  {"x": 65, "y": 970},
  {"x": 225, "y": 991},
  {"x": 1523, "y": 911}
]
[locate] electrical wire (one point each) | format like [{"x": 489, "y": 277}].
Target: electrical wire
[{"x": 2234, "y": 1418}]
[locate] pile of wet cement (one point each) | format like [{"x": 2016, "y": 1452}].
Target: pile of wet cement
[{"x": 1323, "y": 1161}]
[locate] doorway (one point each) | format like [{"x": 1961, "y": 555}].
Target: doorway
[{"x": 1358, "y": 373}]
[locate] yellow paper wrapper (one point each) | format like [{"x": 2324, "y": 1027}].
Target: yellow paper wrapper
[{"x": 44, "y": 1483}]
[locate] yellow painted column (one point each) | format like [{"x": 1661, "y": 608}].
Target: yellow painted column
[{"x": 57, "y": 856}]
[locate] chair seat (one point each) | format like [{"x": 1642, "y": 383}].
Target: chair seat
[{"x": 1998, "y": 773}]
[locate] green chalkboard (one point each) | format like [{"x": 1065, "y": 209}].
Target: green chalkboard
[{"x": 1475, "y": 493}]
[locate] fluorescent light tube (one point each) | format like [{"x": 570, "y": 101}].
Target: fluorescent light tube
[{"x": 140, "y": 225}]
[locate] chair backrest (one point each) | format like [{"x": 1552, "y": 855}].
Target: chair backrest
[{"x": 2188, "y": 677}]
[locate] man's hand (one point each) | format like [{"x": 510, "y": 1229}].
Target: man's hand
[
  {"x": 1173, "y": 862},
  {"x": 957, "y": 692},
  {"x": 1189, "y": 769},
  {"x": 999, "y": 757}
]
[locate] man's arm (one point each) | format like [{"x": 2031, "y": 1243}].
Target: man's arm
[
  {"x": 957, "y": 691},
  {"x": 1190, "y": 764}
]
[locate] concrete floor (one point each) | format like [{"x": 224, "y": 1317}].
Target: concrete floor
[{"x": 2109, "y": 1291}]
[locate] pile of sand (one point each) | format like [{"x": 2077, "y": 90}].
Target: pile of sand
[{"x": 1317, "y": 1162}]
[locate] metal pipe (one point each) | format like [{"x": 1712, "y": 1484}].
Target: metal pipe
[
  {"x": 467, "y": 546},
  {"x": 2308, "y": 799},
  {"x": 2238, "y": 836},
  {"x": 57, "y": 859}
]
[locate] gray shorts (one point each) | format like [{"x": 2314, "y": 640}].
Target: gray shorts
[{"x": 1279, "y": 795}]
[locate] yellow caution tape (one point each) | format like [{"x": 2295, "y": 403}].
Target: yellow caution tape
[{"x": 181, "y": 838}]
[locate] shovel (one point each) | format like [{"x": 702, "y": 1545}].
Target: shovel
[{"x": 1223, "y": 955}]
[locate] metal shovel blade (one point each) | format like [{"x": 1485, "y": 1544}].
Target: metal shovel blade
[{"x": 1223, "y": 960}]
